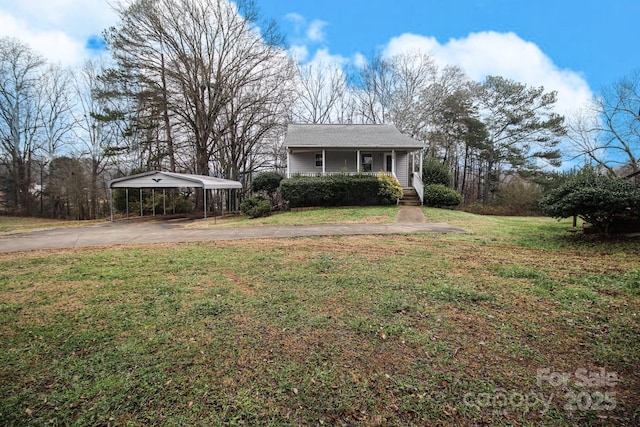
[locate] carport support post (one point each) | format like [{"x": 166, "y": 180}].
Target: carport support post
[
  {"x": 204, "y": 191},
  {"x": 141, "y": 204},
  {"x": 126, "y": 190},
  {"x": 153, "y": 200},
  {"x": 111, "y": 202},
  {"x": 164, "y": 202}
]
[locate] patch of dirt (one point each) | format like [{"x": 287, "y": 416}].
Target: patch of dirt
[{"x": 239, "y": 283}]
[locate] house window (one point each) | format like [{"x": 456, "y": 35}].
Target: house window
[
  {"x": 367, "y": 162},
  {"x": 318, "y": 160}
]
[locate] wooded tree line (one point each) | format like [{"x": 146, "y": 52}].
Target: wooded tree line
[{"x": 207, "y": 87}]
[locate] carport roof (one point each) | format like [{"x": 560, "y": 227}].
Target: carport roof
[{"x": 157, "y": 179}]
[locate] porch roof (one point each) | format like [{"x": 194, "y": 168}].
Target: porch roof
[{"x": 348, "y": 136}]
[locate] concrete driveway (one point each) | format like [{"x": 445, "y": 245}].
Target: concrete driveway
[{"x": 410, "y": 221}]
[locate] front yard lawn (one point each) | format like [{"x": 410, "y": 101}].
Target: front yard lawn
[
  {"x": 512, "y": 324},
  {"x": 308, "y": 216}
]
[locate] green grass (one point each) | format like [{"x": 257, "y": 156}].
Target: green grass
[
  {"x": 363, "y": 330},
  {"x": 309, "y": 216},
  {"x": 506, "y": 229},
  {"x": 12, "y": 225}
]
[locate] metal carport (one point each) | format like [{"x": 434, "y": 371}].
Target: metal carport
[{"x": 157, "y": 179}]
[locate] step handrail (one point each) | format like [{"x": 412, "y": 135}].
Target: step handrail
[{"x": 418, "y": 185}]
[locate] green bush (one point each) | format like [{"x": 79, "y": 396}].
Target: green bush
[
  {"x": 514, "y": 198},
  {"x": 181, "y": 203},
  {"x": 438, "y": 195},
  {"x": 255, "y": 207},
  {"x": 334, "y": 190},
  {"x": 159, "y": 199},
  {"x": 267, "y": 182},
  {"x": 597, "y": 199},
  {"x": 434, "y": 172},
  {"x": 120, "y": 199},
  {"x": 389, "y": 189},
  {"x": 518, "y": 198}
]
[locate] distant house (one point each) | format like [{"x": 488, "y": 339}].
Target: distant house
[{"x": 319, "y": 150}]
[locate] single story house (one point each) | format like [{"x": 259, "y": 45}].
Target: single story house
[{"x": 320, "y": 150}]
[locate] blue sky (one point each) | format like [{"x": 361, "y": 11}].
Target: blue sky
[
  {"x": 571, "y": 46},
  {"x": 597, "y": 39}
]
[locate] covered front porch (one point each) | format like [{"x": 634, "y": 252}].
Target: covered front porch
[{"x": 323, "y": 162}]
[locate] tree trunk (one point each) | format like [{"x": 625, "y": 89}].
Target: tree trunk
[
  {"x": 165, "y": 114},
  {"x": 93, "y": 211}
]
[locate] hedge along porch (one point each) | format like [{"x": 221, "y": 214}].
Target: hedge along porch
[{"x": 164, "y": 180}]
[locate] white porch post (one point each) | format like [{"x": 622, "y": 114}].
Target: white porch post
[
  {"x": 421, "y": 161},
  {"x": 358, "y": 161},
  {"x": 324, "y": 162},
  {"x": 393, "y": 162},
  {"x": 288, "y": 165}
]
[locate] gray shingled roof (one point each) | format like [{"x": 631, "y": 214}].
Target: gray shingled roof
[{"x": 348, "y": 136}]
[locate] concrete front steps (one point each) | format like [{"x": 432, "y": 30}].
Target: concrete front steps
[{"x": 409, "y": 197}]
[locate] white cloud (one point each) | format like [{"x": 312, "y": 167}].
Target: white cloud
[
  {"x": 297, "y": 20},
  {"x": 505, "y": 54},
  {"x": 315, "y": 31},
  {"x": 58, "y": 29},
  {"x": 307, "y": 36},
  {"x": 324, "y": 57},
  {"x": 299, "y": 53},
  {"x": 359, "y": 60},
  {"x": 54, "y": 45}
]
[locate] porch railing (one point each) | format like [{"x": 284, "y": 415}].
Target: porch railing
[
  {"x": 315, "y": 173},
  {"x": 418, "y": 185}
]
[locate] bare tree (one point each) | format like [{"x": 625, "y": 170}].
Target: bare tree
[
  {"x": 371, "y": 87},
  {"x": 57, "y": 113},
  {"x": 321, "y": 87},
  {"x": 583, "y": 130},
  {"x": 204, "y": 56},
  {"x": 618, "y": 143},
  {"x": 412, "y": 76},
  {"x": 20, "y": 119},
  {"x": 252, "y": 118},
  {"x": 389, "y": 90},
  {"x": 58, "y": 125},
  {"x": 98, "y": 130}
]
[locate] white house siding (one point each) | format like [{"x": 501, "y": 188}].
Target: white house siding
[
  {"x": 402, "y": 168},
  {"x": 340, "y": 161},
  {"x": 303, "y": 162}
]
